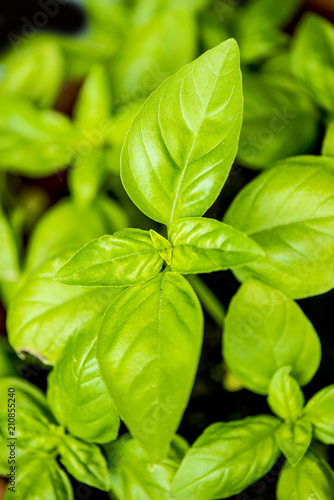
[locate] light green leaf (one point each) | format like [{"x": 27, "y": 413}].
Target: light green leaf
[
  {"x": 162, "y": 246},
  {"x": 34, "y": 143},
  {"x": 285, "y": 398},
  {"x": 43, "y": 313},
  {"x": 294, "y": 439},
  {"x": 313, "y": 59},
  {"x": 87, "y": 176},
  {"x": 181, "y": 145},
  {"x": 125, "y": 258},
  {"x": 226, "y": 458},
  {"x": 264, "y": 331},
  {"x": 328, "y": 144},
  {"x": 93, "y": 105},
  {"x": 85, "y": 462},
  {"x": 279, "y": 120},
  {"x": 205, "y": 245},
  {"x": 52, "y": 237},
  {"x": 34, "y": 72},
  {"x": 148, "y": 350},
  {"x": 319, "y": 411},
  {"x": 76, "y": 393},
  {"x": 297, "y": 237},
  {"x": 133, "y": 475},
  {"x": 38, "y": 476},
  {"x": 35, "y": 428},
  {"x": 151, "y": 52},
  {"x": 9, "y": 263},
  {"x": 311, "y": 479}
]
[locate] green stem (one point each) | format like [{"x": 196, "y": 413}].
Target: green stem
[{"x": 209, "y": 301}]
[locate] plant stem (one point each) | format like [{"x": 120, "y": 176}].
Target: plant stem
[{"x": 209, "y": 301}]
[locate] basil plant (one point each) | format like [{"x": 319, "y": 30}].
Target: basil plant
[{"x": 107, "y": 299}]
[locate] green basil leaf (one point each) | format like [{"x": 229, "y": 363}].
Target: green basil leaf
[
  {"x": 39, "y": 476},
  {"x": 298, "y": 238},
  {"x": 85, "y": 462},
  {"x": 34, "y": 143},
  {"x": 264, "y": 331},
  {"x": 43, "y": 313},
  {"x": 152, "y": 52},
  {"x": 134, "y": 476},
  {"x": 312, "y": 478},
  {"x": 328, "y": 144},
  {"x": 52, "y": 237},
  {"x": 9, "y": 263},
  {"x": 35, "y": 428},
  {"x": 285, "y": 397},
  {"x": 226, "y": 458},
  {"x": 162, "y": 246},
  {"x": 125, "y": 258},
  {"x": 170, "y": 178},
  {"x": 320, "y": 411},
  {"x": 34, "y": 72},
  {"x": 149, "y": 372},
  {"x": 87, "y": 176},
  {"x": 205, "y": 245},
  {"x": 93, "y": 105},
  {"x": 294, "y": 439},
  {"x": 313, "y": 58},
  {"x": 76, "y": 393},
  {"x": 279, "y": 120}
]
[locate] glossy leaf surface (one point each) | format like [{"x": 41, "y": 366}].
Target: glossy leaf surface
[
  {"x": 148, "y": 350},
  {"x": 265, "y": 330},
  {"x": 205, "y": 245},
  {"x": 126, "y": 258},
  {"x": 76, "y": 393},
  {"x": 227, "y": 458},
  {"x": 297, "y": 236},
  {"x": 181, "y": 145}
]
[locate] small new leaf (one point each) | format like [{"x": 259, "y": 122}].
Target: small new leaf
[
  {"x": 205, "y": 245},
  {"x": 162, "y": 245},
  {"x": 125, "y": 258},
  {"x": 294, "y": 439},
  {"x": 285, "y": 396}
]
